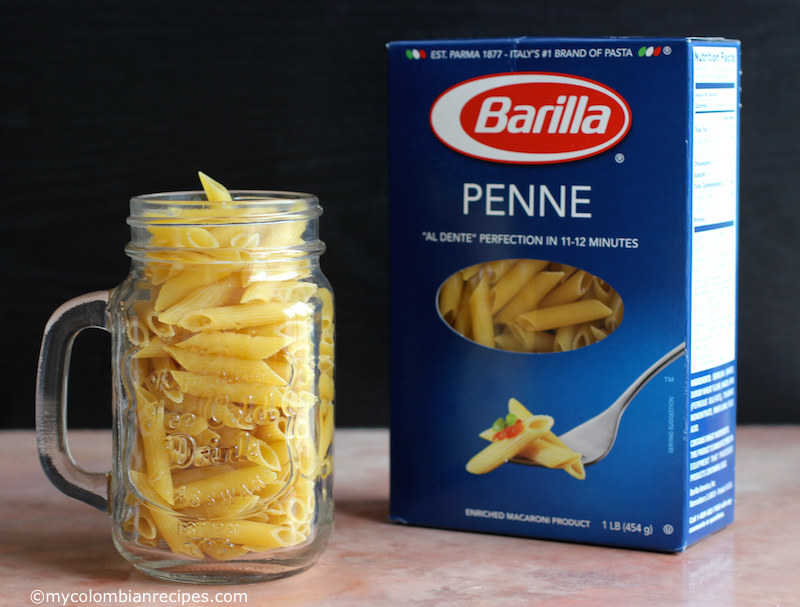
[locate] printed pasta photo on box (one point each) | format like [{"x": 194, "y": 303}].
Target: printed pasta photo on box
[{"x": 564, "y": 242}]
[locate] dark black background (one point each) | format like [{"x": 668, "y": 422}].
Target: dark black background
[{"x": 104, "y": 100}]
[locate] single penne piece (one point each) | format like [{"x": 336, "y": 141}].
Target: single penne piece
[
  {"x": 182, "y": 237},
  {"x": 298, "y": 290},
  {"x": 326, "y": 345},
  {"x": 181, "y": 259},
  {"x": 231, "y": 235},
  {"x": 326, "y": 297},
  {"x": 598, "y": 333},
  {"x": 502, "y": 450},
  {"x": 180, "y": 423},
  {"x": 573, "y": 464},
  {"x": 262, "y": 290},
  {"x": 150, "y": 413},
  {"x": 326, "y": 387},
  {"x": 215, "y": 191},
  {"x": 299, "y": 509},
  {"x": 225, "y": 487},
  {"x": 326, "y": 429},
  {"x": 259, "y": 536},
  {"x": 617, "y": 311},
  {"x": 138, "y": 332},
  {"x": 159, "y": 273},
  {"x": 513, "y": 281},
  {"x": 208, "y": 296},
  {"x": 273, "y": 536},
  {"x": 576, "y": 312},
  {"x": 463, "y": 320},
  {"x": 163, "y": 516},
  {"x": 481, "y": 315},
  {"x": 602, "y": 290},
  {"x": 246, "y": 241},
  {"x": 570, "y": 290},
  {"x": 183, "y": 283},
  {"x": 565, "y": 338},
  {"x": 576, "y": 469},
  {"x": 246, "y": 393},
  {"x": 583, "y": 336},
  {"x": 293, "y": 330},
  {"x": 518, "y": 409},
  {"x": 241, "y": 506},
  {"x": 306, "y": 459},
  {"x": 533, "y": 341},
  {"x": 256, "y": 451},
  {"x": 505, "y": 340},
  {"x": 243, "y": 315},
  {"x": 278, "y": 235},
  {"x": 238, "y": 345},
  {"x": 468, "y": 273},
  {"x": 287, "y": 367},
  {"x": 487, "y": 434},
  {"x": 222, "y": 414},
  {"x": 450, "y": 297},
  {"x": 549, "y": 455},
  {"x": 144, "y": 525},
  {"x": 161, "y": 382},
  {"x": 222, "y": 549},
  {"x": 528, "y": 297},
  {"x": 153, "y": 349},
  {"x": 562, "y": 267},
  {"x": 272, "y": 432},
  {"x": 325, "y": 364},
  {"x": 495, "y": 270},
  {"x": 271, "y": 290},
  {"x": 190, "y": 475},
  {"x": 238, "y": 259},
  {"x": 235, "y": 369},
  {"x": 147, "y": 314}
]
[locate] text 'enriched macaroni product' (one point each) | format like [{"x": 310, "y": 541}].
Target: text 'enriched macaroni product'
[{"x": 564, "y": 233}]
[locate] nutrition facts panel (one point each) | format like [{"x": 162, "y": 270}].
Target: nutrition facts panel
[{"x": 714, "y": 205}]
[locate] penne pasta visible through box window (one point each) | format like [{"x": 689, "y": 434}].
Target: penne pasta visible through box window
[{"x": 530, "y": 305}]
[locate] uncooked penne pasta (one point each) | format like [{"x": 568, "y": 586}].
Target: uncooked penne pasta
[
  {"x": 180, "y": 285},
  {"x": 240, "y": 345},
  {"x": 232, "y": 387},
  {"x": 242, "y": 315},
  {"x": 526, "y": 299},
  {"x": 450, "y": 297},
  {"x": 563, "y": 315},
  {"x": 570, "y": 290},
  {"x": 481, "y": 314},
  {"x": 513, "y": 282},
  {"x": 529, "y": 296}
]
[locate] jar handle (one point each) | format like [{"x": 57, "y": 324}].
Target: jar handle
[{"x": 84, "y": 312}]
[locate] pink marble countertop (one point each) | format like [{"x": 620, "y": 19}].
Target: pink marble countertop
[{"x": 52, "y": 543}]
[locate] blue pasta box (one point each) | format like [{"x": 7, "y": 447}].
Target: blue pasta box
[{"x": 564, "y": 234}]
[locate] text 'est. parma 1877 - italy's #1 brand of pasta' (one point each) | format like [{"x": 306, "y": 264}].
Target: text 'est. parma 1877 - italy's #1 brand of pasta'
[{"x": 530, "y": 118}]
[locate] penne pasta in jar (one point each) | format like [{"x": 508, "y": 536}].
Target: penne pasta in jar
[{"x": 227, "y": 462}]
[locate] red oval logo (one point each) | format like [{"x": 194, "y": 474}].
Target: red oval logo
[{"x": 530, "y": 118}]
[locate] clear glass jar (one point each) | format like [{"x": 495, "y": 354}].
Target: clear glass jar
[{"x": 223, "y": 386}]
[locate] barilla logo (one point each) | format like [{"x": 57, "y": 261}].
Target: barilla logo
[{"x": 530, "y": 118}]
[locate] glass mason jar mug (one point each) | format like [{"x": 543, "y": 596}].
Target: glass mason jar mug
[{"x": 223, "y": 386}]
